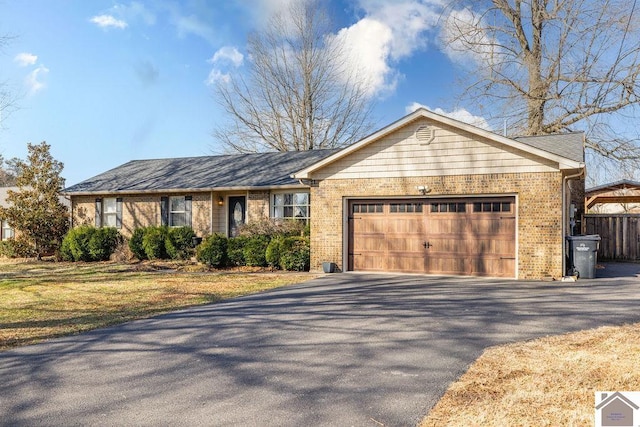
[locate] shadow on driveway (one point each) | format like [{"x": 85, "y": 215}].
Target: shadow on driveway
[{"x": 344, "y": 349}]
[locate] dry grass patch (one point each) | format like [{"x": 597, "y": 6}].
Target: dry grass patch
[
  {"x": 40, "y": 300},
  {"x": 547, "y": 382}
]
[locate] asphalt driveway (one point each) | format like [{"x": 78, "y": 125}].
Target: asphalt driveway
[{"x": 342, "y": 350}]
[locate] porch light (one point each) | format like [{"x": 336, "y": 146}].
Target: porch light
[{"x": 220, "y": 201}]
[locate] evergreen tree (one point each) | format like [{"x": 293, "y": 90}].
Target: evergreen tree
[{"x": 35, "y": 210}]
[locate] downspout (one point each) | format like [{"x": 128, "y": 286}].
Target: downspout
[{"x": 565, "y": 207}]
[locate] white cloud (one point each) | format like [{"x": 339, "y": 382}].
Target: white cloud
[
  {"x": 459, "y": 114},
  {"x": 187, "y": 25},
  {"x": 390, "y": 31},
  {"x": 134, "y": 11},
  {"x": 216, "y": 76},
  {"x": 367, "y": 49},
  {"x": 34, "y": 82},
  {"x": 228, "y": 55},
  {"x": 108, "y": 21},
  {"x": 25, "y": 59}
]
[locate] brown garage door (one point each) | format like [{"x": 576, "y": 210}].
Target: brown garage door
[{"x": 444, "y": 236}]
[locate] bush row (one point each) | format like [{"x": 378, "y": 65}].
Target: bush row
[
  {"x": 284, "y": 252},
  {"x": 87, "y": 243},
  {"x": 162, "y": 242}
]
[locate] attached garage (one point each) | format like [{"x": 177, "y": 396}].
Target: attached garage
[
  {"x": 429, "y": 194},
  {"x": 462, "y": 236}
]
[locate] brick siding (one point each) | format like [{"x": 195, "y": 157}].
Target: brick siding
[{"x": 539, "y": 205}]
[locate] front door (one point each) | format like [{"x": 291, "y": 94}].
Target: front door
[{"x": 237, "y": 214}]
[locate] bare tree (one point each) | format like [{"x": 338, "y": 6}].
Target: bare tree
[
  {"x": 299, "y": 92},
  {"x": 552, "y": 66},
  {"x": 7, "y": 97}
]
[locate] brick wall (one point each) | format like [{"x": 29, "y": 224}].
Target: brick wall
[
  {"x": 539, "y": 210},
  {"x": 257, "y": 205},
  {"x": 141, "y": 210}
]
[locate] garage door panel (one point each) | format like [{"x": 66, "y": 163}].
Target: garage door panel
[{"x": 470, "y": 237}]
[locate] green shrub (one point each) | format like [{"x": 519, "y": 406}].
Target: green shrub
[
  {"x": 213, "y": 251},
  {"x": 7, "y": 249},
  {"x": 88, "y": 243},
  {"x": 102, "y": 243},
  {"x": 296, "y": 254},
  {"x": 254, "y": 251},
  {"x": 135, "y": 243},
  {"x": 235, "y": 250},
  {"x": 75, "y": 244},
  {"x": 153, "y": 242},
  {"x": 179, "y": 243},
  {"x": 274, "y": 251}
]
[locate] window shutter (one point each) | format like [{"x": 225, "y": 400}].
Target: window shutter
[
  {"x": 164, "y": 210},
  {"x": 187, "y": 210},
  {"x": 98, "y": 212},
  {"x": 119, "y": 213}
]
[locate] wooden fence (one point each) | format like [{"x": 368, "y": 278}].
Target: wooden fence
[{"x": 619, "y": 233}]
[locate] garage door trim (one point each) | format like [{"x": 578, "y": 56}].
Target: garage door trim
[{"x": 428, "y": 200}]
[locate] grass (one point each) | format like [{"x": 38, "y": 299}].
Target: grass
[
  {"x": 546, "y": 382},
  {"x": 42, "y": 300}
]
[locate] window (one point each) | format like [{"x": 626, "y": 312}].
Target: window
[
  {"x": 366, "y": 208},
  {"x": 405, "y": 207},
  {"x": 175, "y": 211},
  {"x": 492, "y": 207},
  {"x": 448, "y": 207},
  {"x": 7, "y": 231},
  {"x": 291, "y": 206},
  {"x": 109, "y": 212}
]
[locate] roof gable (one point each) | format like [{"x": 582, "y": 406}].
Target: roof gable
[
  {"x": 238, "y": 171},
  {"x": 541, "y": 148}
]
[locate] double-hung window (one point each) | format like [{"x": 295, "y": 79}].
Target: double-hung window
[
  {"x": 7, "y": 231},
  {"x": 291, "y": 206},
  {"x": 176, "y": 211},
  {"x": 109, "y": 212}
]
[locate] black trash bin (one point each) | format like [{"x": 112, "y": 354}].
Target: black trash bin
[{"x": 583, "y": 255}]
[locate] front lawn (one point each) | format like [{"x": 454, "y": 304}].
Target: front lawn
[
  {"x": 41, "y": 300},
  {"x": 546, "y": 382}
]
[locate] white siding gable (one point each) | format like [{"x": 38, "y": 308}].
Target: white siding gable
[{"x": 450, "y": 152}]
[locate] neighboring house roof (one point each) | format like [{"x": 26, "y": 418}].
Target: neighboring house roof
[
  {"x": 624, "y": 191},
  {"x": 618, "y": 185},
  {"x": 4, "y": 194},
  {"x": 225, "y": 172},
  {"x": 565, "y": 149}
]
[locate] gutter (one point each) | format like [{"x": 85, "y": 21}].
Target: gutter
[
  {"x": 185, "y": 190},
  {"x": 565, "y": 207}
]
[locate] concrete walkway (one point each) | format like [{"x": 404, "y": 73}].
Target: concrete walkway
[{"x": 342, "y": 350}]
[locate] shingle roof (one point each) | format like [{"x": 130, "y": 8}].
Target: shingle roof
[
  {"x": 568, "y": 145},
  {"x": 205, "y": 173},
  {"x": 625, "y": 183}
]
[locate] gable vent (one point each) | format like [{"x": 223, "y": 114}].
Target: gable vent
[{"x": 425, "y": 134}]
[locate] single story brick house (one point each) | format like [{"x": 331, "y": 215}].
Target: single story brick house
[{"x": 425, "y": 194}]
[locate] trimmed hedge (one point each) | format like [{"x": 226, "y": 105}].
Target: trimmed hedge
[
  {"x": 135, "y": 243},
  {"x": 235, "y": 250},
  {"x": 254, "y": 251},
  {"x": 179, "y": 244},
  {"x": 88, "y": 243},
  {"x": 162, "y": 242},
  {"x": 296, "y": 254},
  {"x": 213, "y": 251}
]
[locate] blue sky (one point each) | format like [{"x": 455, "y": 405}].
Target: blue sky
[{"x": 105, "y": 82}]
